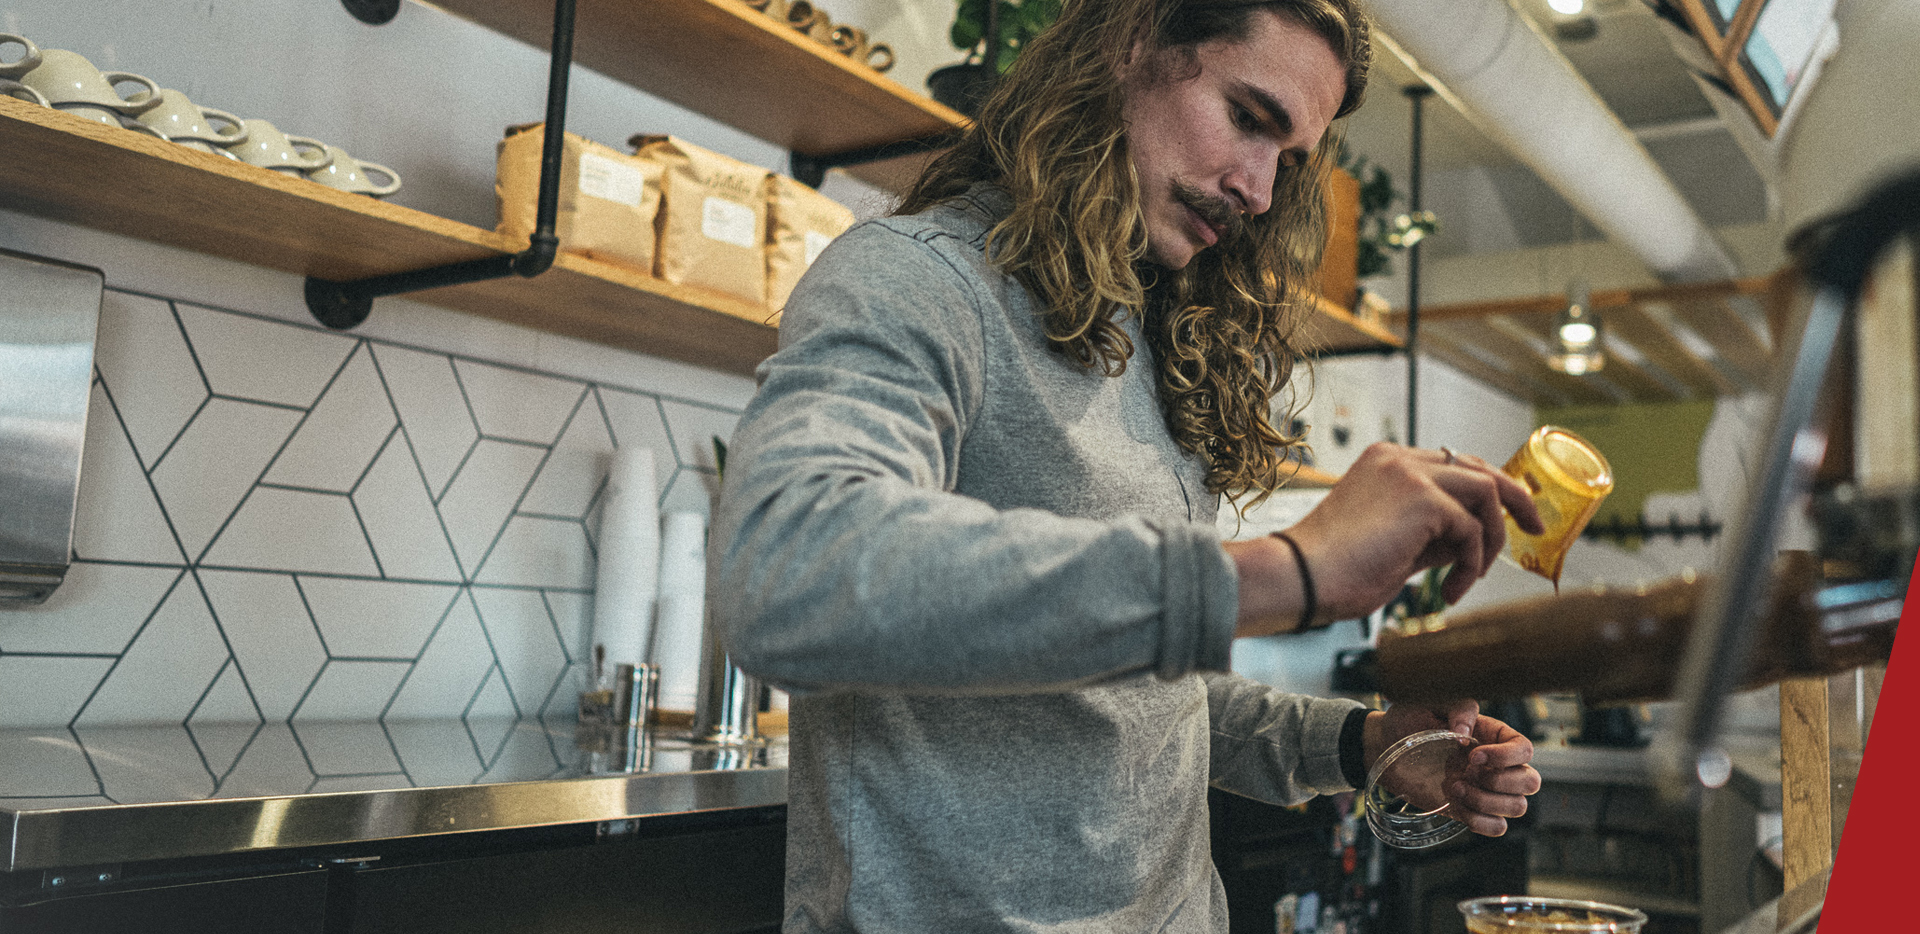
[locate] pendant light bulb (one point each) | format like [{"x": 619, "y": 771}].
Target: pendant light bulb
[
  {"x": 1576, "y": 335},
  {"x": 1568, "y": 7}
]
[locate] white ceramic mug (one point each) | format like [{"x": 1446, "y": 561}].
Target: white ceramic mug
[
  {"x": 25, "y": 63},
  {"x": 12, "y": 88},
  {"x": 349, "y": 174},
  {"x": 68, "y": 78},
  {"x": 268, "y": 148},
  {"x": 183, "y": 121},
  {"x": 879, "y": 56}
]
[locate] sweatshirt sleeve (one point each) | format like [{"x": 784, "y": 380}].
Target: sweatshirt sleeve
[
  {"x": 840, "y": 557},
  {"x": 1274, "y": 746}
]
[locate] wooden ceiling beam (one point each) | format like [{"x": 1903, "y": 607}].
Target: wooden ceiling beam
[
  {"x": 1720, "y": 324},
  {"x": 1522, "y": 359},
  {"x": 1634, "y": 380},
  {"x": 1602, "y": 299},
  {"x": 1444, "y": 348},
  {"x": 1665, "y": 351}
]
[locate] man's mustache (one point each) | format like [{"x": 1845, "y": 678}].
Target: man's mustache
[{"x": 1212, "y": 208}]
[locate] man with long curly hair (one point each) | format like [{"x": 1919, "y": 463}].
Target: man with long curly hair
[{"x": 968, "y": 519}]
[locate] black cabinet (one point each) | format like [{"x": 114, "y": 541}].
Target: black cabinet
[{"x": 702, "y": 873}]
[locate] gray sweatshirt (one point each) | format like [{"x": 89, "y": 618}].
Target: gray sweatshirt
[{"x": 993, "y": 583}]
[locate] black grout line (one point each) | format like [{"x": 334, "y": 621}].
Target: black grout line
[
  {"x": 266, "y": 404},
  {"x": 87, "y": 754},
  {"x": 461, "y": 384},
  {"x": 240, "y": 756},
  {"x": 381, "y": 451},
  {"x": 221, "y": 628},
  {"x": 312, "y": 620},
  {"x": 152, "y": 490},
  {"x": 425, "y": 646},
  {"x": 131, "y": 640},
  {"x": 494, "y": 650},
  {"x": 517, "y": 442},
  {"x": 179, "y": 433},
  {"x": 255, "y": 485},
  {"x": 186, "y": 340},
  {"x": 373, "y": 552},
  {"x": 18, "y": 654}
]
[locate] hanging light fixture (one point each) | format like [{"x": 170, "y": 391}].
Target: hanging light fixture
[{"x": 1576, "y": 335}]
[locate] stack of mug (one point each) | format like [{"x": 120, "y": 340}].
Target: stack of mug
[
  {"x": 811, "y": 21},
  {"x": 66, "y": 81}
]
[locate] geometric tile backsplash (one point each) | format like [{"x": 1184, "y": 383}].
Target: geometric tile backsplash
[{"x": 283, "y": 523}]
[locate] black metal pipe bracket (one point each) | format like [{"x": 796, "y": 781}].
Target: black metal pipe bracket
[
  {"x": 812, "y": 170},
  {"x": 343, "y": 305}
]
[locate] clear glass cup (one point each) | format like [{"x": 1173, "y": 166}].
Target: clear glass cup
[
  {"x": 1568, "y": 478},
  {"x": 1405, "y": 797},
  {"x": 1528, "y": 914}
]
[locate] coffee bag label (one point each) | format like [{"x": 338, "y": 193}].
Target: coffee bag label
[
  {"x": 729, "y": 222},
  {"x": 611, "y": 180},
  {"x": 816, "y": 242}
]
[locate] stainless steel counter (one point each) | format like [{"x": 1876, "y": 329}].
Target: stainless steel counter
[{"x": 90, "y": 796}]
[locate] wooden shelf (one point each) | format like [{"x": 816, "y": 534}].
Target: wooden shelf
[
  {"x": 739, "y": 66},
  {"x": 67, "y": 169},
  {"x": 64, "y": 168},
  {"x": 1338, "y": 331}
]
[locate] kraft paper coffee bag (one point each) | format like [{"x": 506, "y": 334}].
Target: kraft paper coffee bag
[
  {"x": 713, "y": 218},
  {"x": 608, "y": 199},
  {"x": 800, "y": 223}
]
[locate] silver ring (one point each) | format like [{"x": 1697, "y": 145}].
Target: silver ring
[{"x": 1450, "y": 455}]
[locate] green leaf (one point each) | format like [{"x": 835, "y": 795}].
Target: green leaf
[
  {"x": 719, "y": 457},
  {"x": 969, "y": 25}
]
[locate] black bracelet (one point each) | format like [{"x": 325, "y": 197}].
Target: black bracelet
[{"x": 1308, "y": 612}]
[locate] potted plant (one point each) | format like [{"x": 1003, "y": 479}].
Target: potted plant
[
  {"x": 1382, "y": 232},
  {"x": 991, "y": 33}
]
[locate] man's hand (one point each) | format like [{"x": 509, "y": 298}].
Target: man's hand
[
  {"x": 1497, "y": 779},
  {"x": 1397, "y": 512}
]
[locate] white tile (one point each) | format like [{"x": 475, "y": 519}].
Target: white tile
[
  {"x": 573, "y": 615},
  {"x": 143, "y": 359},
  {"x": 352, "y": 691},
  {"x": 292, "y": 530},
  {"x": 215, "y": 462},
  {"x": 477, "y": 504},
  {"x": 564, "y": 703},
  {"x": 689, "y": 489},
  {"x": 222, "y": 743},
  {"x": 525, "y": 642},
  {"x": 433, "y": 413},
  {"x": 162, "y": 675},
  {"x": 636, "y": 420},
  {"x": 491, "y": 717},
  {"x": 540, "y": 552},
  {"x": 97, "y": 609},
  {"x": 273, "y": 640},
  {"x": 271, "y": 765},
  {"x": 376, "y": 619},
  {"x": 41, "y": 691},
  {"x": 227, "y": 703},
  {"x": 339, "y": 783},
  {"x": 450, "y": 670},
  {"x": 44, "y": 763},
  {"x": 694, "y": 427},
  {"x": 266, "y": 361},
  {"x": 145, "y": 764},
  {"x": 340, "y": 437},
  {"x": 435, "y": 752},
  {"x": 401, "y": 521},
  {"x": 576, "y": 468},
  {"x": 117, "y": 517},
  {"x": 336, "y": 748},
  {"x": 516, "y": 404},
  {"x": 526, "y": 755}
]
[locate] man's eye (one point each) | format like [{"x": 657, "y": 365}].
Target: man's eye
[{"x": 1244, "y": 118}]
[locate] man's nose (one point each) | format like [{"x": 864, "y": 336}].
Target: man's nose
[{"x": 1251, "y": 187}]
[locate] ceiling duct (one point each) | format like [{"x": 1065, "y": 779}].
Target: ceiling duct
[{"x": 1519, "y": 89}]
